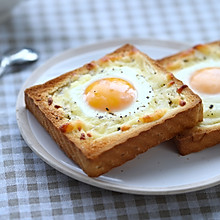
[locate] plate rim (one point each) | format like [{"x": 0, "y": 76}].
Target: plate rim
[{"x": 21, "y": 115}]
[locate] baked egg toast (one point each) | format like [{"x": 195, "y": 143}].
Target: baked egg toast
[
  {"x": 199, "y": 68},
  {"x": 110, "y": 110}
]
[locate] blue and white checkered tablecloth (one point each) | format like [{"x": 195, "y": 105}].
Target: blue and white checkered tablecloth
[{"x": 29, "y": 188}]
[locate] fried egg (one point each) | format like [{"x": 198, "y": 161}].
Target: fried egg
[
  {"x": 204, "y": 79},
  {"x": 116, "y": 90}
]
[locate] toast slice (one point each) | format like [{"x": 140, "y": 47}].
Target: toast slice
[
  {"x": 99, "y": 140},
  {"x": 185, "y": 65}
]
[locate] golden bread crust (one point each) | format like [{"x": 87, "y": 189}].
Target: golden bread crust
[
  {"x": 197, "y": 138},
  {"x": 188, "y": 57},
  {"x": 98, "y": 156}
]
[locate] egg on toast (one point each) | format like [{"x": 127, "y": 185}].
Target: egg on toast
[
  {"x": 199, "y": 68},
  {"x": 110, "y": 110}
]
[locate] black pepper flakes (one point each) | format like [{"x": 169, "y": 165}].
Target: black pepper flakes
[{"x": 211, "y": 106}]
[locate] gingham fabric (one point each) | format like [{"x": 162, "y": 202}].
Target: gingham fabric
[{"x": 29, "y": 188}]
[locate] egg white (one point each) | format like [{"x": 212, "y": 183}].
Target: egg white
[
  {"x": 186, "y": 73},
  {"x": 130, "y": 74},
  {"x": 211, "y": 102}
]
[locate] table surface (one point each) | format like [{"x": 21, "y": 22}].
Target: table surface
[{"x": 29, "y": 188}]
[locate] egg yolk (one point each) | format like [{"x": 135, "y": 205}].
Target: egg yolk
[
  {"x": 206, "y": 80},
  {"x": 110, "y": 94}
]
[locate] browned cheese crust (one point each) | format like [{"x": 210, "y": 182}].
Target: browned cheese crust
[
  {"x": 97, "y": 157},
  {"x": 196, "y": 138}
]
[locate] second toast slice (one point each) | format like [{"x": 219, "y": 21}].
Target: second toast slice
[{"x": 199, "y": 67}]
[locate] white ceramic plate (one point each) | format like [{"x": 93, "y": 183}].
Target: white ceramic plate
[{"x": 161, "y": 170}]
